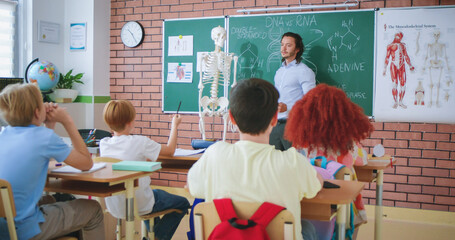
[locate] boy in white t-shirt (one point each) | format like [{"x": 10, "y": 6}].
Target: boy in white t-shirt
[
  {"x": 251, "y": 169},
  {"x": 119, "y": 115}
]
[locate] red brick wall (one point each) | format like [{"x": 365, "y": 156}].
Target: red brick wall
[{"x": 424, "y": 176}]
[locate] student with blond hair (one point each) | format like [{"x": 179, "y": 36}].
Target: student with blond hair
[
  {"x": 25, "y": 152},
  {"x": 119, "y": 115}
]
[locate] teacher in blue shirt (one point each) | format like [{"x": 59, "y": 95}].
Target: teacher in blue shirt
[{"x": 293, "y": 80}]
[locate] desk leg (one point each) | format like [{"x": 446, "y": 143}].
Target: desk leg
[
  {"x": 378, "y": 208},
  {"x": 341, "y": 221},
  {"x": 129, "y": 226}
]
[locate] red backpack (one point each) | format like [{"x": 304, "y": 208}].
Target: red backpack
[{"x": 233, "y": 228}]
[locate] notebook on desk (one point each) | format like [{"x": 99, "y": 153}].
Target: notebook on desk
[
  {"x": 69, "y": 169},
  {"x": 136, "y": 166}
]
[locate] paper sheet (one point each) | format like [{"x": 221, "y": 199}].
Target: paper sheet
[
  {"x": 187, "y": 152},
  {"x": 69, "y": 169}
]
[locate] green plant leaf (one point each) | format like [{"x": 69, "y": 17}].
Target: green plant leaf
[{"x": 67, "y": 81}]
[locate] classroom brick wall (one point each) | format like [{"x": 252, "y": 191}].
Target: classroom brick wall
[{"x": 422, "y": 178}]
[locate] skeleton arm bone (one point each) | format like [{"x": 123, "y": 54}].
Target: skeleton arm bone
[
  {"x": 406, "y": 57},
  {"x": 234, "y": 82},
  {"x": 445, "y": 56}
]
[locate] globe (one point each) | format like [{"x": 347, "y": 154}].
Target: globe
[{"x": 44, "y": 73}]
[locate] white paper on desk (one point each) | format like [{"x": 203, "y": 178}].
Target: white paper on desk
[
  {"x": 187, "y": 152},
  {"x": 69, "y": 169}
]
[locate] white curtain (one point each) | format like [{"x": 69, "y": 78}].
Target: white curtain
[{"x": 7, "y": 30}]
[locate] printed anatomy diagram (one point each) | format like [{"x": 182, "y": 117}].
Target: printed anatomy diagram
[
  {"x": 436, "y": 60},
  {"x": 397, "y": 52}
]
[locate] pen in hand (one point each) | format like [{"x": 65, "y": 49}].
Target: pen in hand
[{"x": 178, "y": 108}]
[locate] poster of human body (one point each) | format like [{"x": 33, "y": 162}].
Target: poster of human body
[{"x": 415, "y": 65}]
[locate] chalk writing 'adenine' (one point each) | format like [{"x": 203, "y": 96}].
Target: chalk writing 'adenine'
[{"x": 346, "y": 67}]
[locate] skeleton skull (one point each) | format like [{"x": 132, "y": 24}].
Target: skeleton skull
[
  {"x": 218, "y": 36},
  {"x": 436, "y": 34}
]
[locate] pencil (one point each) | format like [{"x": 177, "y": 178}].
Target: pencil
[{"x": 178, "y": 109}]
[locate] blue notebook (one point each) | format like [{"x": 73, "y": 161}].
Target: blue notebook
[{"x": 136, "y": 166}]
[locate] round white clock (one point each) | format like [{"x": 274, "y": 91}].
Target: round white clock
[{"x": 132, "y": 34}]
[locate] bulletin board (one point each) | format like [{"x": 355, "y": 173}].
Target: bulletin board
[{"x": 183, "y": 39}]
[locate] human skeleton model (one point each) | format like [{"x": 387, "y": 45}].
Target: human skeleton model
[
  {"x": 397, "y": 51},
  {"x": 436, "y": 55},
  {"x": 217, "y": 72}
]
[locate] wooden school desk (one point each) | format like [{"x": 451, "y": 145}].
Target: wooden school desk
[
  {"x": 101, "y": 183},
  {"x": 366, "y": 174},
  {"x": 320, "y": 207}
]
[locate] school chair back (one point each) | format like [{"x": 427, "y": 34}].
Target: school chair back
[
  {"x": 8, "y": 210},
  {"x": 206, "y": 219}
]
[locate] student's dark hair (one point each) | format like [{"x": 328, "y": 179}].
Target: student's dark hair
[
  {"x": 253, "y": 104},
  {"x": 298, "y": 45}
]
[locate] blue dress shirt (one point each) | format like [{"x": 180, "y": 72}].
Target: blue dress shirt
[{"x": 293, "y": 81}]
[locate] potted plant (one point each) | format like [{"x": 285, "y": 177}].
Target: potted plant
[{"x": 64, "y": 91}]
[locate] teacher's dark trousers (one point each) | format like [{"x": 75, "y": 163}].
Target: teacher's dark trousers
[{"x": 276, "y": 136}]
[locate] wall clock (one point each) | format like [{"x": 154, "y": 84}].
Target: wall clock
[{"x": 132, "y": 34}]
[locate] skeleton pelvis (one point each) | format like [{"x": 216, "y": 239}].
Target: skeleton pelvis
[{"x": 214, "y": 104}]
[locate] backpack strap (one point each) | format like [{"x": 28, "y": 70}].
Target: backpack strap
[
  {"x": 323, "y": 162},
  {"x": 225, "y": 209},
  {"x": 265, "y": 213}
]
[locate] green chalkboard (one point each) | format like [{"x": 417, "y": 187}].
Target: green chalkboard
[
  {"x": 339, "y": 48},
  {"x": 181, "y": 52}
]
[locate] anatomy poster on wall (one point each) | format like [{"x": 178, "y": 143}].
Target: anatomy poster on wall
[
  {"x": 415, "y": 64},
  {"x": 180, "y": 46},
  {"x": 180, "y": 72}
]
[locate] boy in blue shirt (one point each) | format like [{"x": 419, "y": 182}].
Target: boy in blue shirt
[{"x": 26, "y": 149}]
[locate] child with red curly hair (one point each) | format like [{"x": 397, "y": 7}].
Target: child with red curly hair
[{"x": 326, "y": 123}]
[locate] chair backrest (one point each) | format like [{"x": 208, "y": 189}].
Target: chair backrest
[
  {"x": 206, "y": 218},
  {"x": 7, "y": 207}
]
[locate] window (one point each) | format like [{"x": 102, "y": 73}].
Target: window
[{"x": 7, "y": 30}]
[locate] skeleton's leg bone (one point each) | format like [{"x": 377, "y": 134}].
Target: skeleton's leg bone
[
  {"x": 202, "y": 127},
  {"x": 431, "y": 88},
  {"x": 225, "y": 119},
  {"x": 438, "y": 85}
]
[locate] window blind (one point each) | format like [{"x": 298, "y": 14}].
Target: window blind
[{"x": 7, "y": 30}]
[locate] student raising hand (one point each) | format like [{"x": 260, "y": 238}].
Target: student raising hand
[{"x": 169, "y": 148}]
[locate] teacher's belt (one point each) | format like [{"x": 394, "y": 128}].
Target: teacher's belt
[{"x": 282, "y": 120}]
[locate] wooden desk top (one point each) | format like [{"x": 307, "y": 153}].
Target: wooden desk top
[
  {"x": 95, "y": 189},
  {"x": 377, "y": 163},
  {"x": 347, "y": 192},
  {"x": 178, "y": 164},
  {"x": 181, "y": 158},
  {"x": 320, "y": 207},
  {"x": 104, "y": 175}
]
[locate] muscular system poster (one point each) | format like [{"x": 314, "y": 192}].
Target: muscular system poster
[{"x": 415, "y": 65}]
